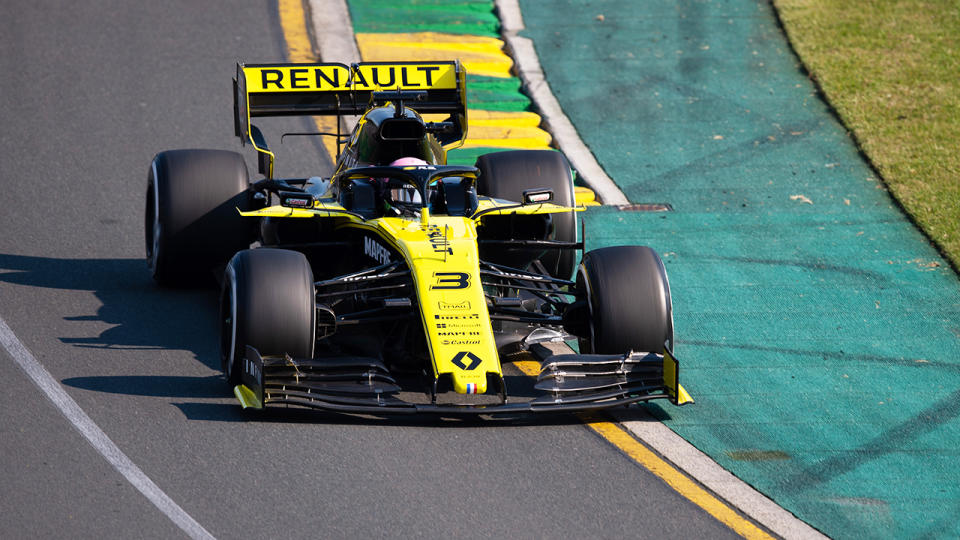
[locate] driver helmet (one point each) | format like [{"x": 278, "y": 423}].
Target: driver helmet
[
  {"x": 407, "y": 161},
  {"x": 409, "y": 195}
]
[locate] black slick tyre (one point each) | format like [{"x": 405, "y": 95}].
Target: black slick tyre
[
  {"x": 191, "y": 223},
  {"x": 268, "y": 302},
  {"x": 629, "y": 300},
  {"x": 506, "y": 175}
]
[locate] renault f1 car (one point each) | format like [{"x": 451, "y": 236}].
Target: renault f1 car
[{"x": 401, "y": 284}]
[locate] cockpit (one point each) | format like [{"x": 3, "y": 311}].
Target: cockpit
[{"x": 398, "y": 191}]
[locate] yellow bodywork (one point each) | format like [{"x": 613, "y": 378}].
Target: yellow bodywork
[
  {"x": 441, "y": 252},
  {"x": 671, "y": 372},
  {"x": 334, "y": 77},
  {"x": 248, "y": 399},
  {"x": 444, "y": 263}
]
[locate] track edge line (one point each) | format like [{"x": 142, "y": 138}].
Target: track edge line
[
  {"x": 97, "y": 438},
  {"x": 702, "y": 468}
]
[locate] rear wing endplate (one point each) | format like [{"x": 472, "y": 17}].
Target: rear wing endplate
[{"x": 333, "y": 89}]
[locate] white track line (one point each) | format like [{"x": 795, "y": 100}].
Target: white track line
[
  {"x": 530, "y": 72},
  {"x": 97, "y": 438},
  {"x": 705, "y": 470},
  {"x": 332, "y": 31}
]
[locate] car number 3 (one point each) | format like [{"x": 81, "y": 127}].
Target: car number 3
[{"x": 450, "y": 280}]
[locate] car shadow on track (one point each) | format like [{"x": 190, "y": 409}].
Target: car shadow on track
[
  {"x": 142, "y": 318},
  {"x": 153, "y": 385},
  {"x": 143, "y": 315}
]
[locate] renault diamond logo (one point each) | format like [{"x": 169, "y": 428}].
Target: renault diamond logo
[{"x": 458, "y": 361}]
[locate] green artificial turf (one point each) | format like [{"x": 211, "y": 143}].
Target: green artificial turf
[{"x": 474, "y": 17}]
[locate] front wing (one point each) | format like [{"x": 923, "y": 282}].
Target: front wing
[{"x": 566, "y": 382}]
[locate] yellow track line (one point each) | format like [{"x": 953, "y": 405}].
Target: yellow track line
[
  {"x": 294, "y": 23},
  {"x": 683, "y": 485},
  {"x": 617, "y": 436}
]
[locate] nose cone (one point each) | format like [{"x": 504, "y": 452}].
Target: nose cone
[{"x": 467, "y": 379}]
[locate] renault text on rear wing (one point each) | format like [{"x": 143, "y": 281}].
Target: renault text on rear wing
[{"x": 341, "y": 90}]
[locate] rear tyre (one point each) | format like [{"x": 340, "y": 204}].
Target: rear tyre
[
  {"x": 506, "y": 175},
  {"x": 268, "y": 302},
  {"x": 628, "y": 296},
  {"x": 191, "y": 223}
]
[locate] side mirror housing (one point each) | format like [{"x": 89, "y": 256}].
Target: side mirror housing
[{"x": 537, "y": 195}]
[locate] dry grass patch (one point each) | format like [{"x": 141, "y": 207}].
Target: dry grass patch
[{"x": 892, "y": 70}]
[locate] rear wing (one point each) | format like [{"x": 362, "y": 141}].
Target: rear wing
[{"x": 333, "y": 89}]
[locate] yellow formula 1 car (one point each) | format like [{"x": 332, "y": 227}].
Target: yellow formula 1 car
[{"x": 401, "y": 284}]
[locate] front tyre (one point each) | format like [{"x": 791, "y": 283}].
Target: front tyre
[
  {"x": 268, "y": 302},
  {"x": 629, "y": 302}
]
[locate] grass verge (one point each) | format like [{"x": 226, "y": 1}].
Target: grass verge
[{"x": 891, "y": 69}]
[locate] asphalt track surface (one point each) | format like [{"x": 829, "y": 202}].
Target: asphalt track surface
[{"x": 89, "y": 95}]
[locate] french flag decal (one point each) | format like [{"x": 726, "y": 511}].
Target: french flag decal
[{"x": 471, "y": 388}]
